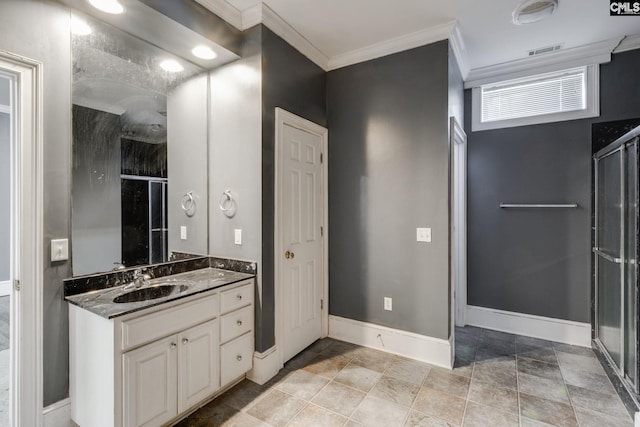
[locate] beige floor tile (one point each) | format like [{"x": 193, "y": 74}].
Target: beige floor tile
[
  {"x": 395, "y": 390},
  {"x": 482, "y": 416},
  {"x": 376, "y": 412},
  {"x": 358, "y": 377},
  {"x": 302, "y": 384},
  {"x": 313, "y": 415},
  {"x": 339, "y": 398},
  {"x": 447, "y": 382},
  {"x": 440, "y": 405},
  {"x": 276, "y": 408}
]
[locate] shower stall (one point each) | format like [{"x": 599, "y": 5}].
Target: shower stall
[{"x": 616, "y": 254}]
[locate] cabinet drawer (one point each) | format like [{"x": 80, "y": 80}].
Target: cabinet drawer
[
  {"x": 156, "y": 325},
  {"x": 236, "y": 323},
  {"x": 236, "y": 358},
  {"x": 236, "y": 297}
]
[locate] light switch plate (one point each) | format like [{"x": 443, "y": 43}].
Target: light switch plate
[
  {"x": 183, "y": 232},
  {"x": 59, "y": 249},
  {"x": 237, "y": 236},
  {"x": 423, "y": 235},
  {"x": 388, "y": 303}
]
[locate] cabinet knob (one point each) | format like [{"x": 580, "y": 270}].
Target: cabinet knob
[
  {"x": 239, "y": 357},
  {"x": 239, "y": 297},
  {"x": 185, "y": 341},
  {"x": 239, "y": 323},
  {"x": 173, "y": 346}
]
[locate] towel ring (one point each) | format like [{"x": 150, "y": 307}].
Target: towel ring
[
  {"x": 226, "y": 201},
  {"x": 189, "y": 204}
]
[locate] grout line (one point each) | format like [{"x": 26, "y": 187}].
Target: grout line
[{"x": 566, "y": 389}]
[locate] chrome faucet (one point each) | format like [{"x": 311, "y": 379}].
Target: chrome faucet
[{"x": 139, "y": 279}]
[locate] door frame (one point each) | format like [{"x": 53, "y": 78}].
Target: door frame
[
  {"x": 283, "y": 118},
  {"x": 27, "y": 240},
  {"x": 458, "y": 143}
]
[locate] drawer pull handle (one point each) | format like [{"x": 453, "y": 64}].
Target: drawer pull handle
[
  {"x": 185, "y": 341},
  {"x": 239, "y": 323},
  {"x": 239, "y": 357},
  {"x": 239, "y": 297},
  {"x": 173, "y": 346}
]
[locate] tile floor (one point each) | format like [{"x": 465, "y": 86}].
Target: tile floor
[{"x": 499, "y": 380}]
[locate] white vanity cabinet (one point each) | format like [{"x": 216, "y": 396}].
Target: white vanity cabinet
[{"x": 148, "y": 367}]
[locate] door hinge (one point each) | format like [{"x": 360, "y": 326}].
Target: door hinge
[
  {"x": 321, "y": 158},
  {"x": 16, "y": 284},
  {"x": 321, "y": 231},
  {"x": 321, "y": 304}
]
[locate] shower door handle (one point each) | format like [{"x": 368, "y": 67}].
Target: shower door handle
[{"x": 607, "y": 256}]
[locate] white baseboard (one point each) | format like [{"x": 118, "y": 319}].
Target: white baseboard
[
  {"x": 408, "y": 344},
  {"x": 547, "y": 328},
  {"x": 5, "y": 288},
  {"x": 265, "y": 365},
  {"x": 58, "y": 414}
]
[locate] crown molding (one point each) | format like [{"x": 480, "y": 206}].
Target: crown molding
[
  {"x": 628, "y": 43},
  {"x": 459, "y": 51},
  {"x": 224, "y": 10},
  {"x": 252, "y": 16},
  {"x": 275, "y": 23},
  {"x": 594, "y": 53},
  {"x": 387, "y": 47}
]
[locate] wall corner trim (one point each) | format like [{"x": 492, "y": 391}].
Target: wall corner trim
[
  {"x": 395, "y": 45},
  {"x": 547, "y": 328},
  {"x": 594, "y": 53},
  {"x": 275, "y": 23},
  {"x": 403, "y": 343},
  {"x": 459, "y": 51},
  {"x": 265, "y": 365},
  {"x": 628, "y": 43},
  {"x": 57, "y": 414},
  {"x": 224, "y": 10}
]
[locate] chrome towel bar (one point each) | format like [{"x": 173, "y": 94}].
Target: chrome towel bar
[{"x": 539, "y": 205}]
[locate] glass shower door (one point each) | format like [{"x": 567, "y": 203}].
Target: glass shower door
[
  {"x": 630, "y": 297},
  {"x": 616, "y": 249},
  {"x": 609, "y": 215}
]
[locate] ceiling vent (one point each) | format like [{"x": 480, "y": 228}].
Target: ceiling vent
[
  {"x": 543, "y": 50},
  {"x": 530, "y": 11}
]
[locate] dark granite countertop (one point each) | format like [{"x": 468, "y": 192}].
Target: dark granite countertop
[{"x": 100, "y": 302}]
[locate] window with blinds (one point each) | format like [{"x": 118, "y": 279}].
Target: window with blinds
[{"x": 549, "y": 97}]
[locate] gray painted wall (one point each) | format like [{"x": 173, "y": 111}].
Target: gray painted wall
[
  {"x": 388, "y": 174},
  {"x": 96, "y": 228},
  {"x": 5, "y": 194},
  {"x": 294, "y": 83},
  {"x": 39, "y": 29},
  {"x": 187, "y": 141},
  {"x": 538, "y": 262}
]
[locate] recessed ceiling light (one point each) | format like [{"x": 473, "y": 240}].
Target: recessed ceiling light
[
  {"x": 204, "y": 52},
  {"x": 534, "y": 10},
  {"x": 80, "y": 26},
  {"x": 108, "y": 6},
  {"x": 171, "y": 65}
]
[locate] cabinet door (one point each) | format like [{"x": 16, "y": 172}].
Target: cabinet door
[
  {"x": 150, "y": 380},
  {"x": 198, "y": 375}
]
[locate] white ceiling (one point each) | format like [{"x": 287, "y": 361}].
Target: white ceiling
[{"x": 343, "y": 27}]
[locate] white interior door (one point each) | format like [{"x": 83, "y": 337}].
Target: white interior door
[
  {"x": 26, "y": 237},
  {"x": 301, "y": 227}
]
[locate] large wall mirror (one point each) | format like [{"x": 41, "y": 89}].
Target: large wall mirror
[{"x": 137, "y": 106}]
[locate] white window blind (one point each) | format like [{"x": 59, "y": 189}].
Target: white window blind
[{"x": 550, "y": 93}]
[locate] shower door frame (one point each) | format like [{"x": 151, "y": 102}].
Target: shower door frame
[{"x": 621, "y": 145}]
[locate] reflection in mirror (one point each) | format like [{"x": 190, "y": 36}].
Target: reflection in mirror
[{"x": 120, "y": 164}]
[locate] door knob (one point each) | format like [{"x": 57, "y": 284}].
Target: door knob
[{"x": 289, "y": 255}]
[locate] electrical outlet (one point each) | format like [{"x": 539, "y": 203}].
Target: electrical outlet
[
  {"x": 423, "y": 235},
  {"x": 388, "y": 303},
  {"x": 183, "y": 232},
  {"x": 237, "y": 236}
]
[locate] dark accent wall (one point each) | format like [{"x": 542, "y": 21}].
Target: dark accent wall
[
  {"x": 532, "y": 261},
  {"x": 39, "y": 29},
  {"x": 294, "y": 83},
  {"x": 388, "y": 174}
]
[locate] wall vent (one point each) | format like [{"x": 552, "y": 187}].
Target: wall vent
[{"x": 546, "y": 49}]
